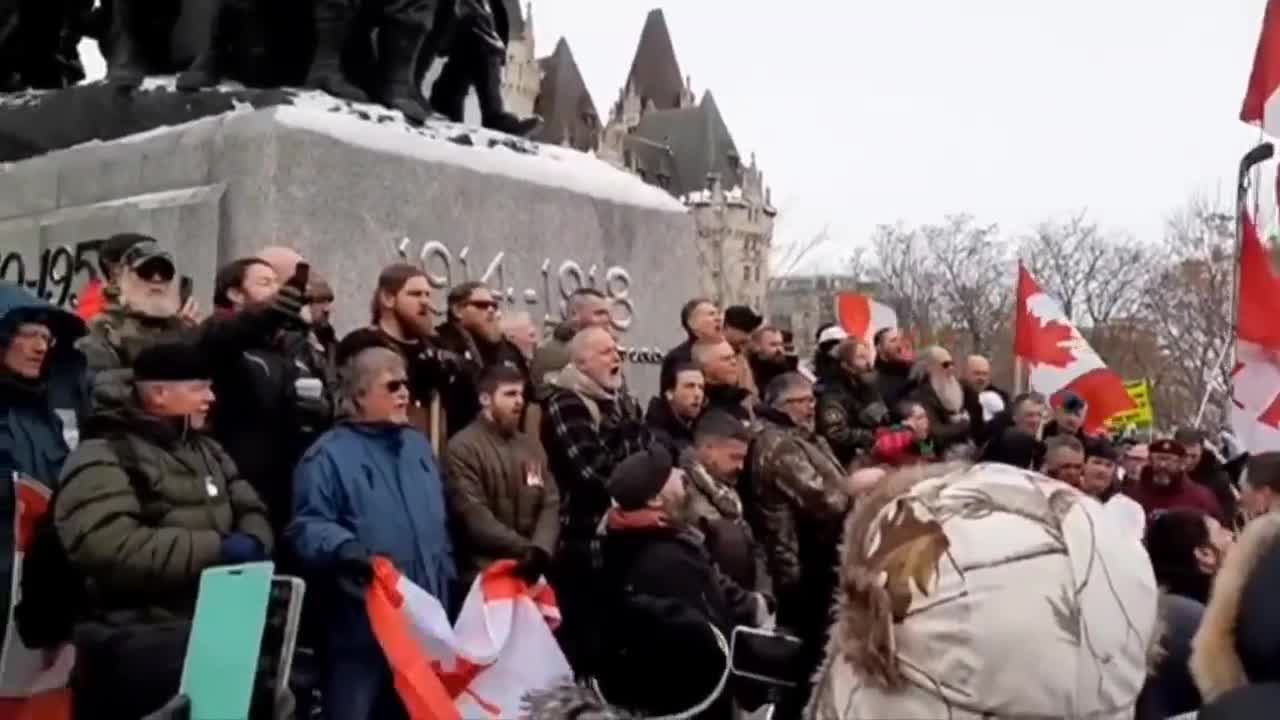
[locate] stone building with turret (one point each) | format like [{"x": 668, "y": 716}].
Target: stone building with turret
[
  {"x": 522, "y": 75},
  {"x": 660, "y": 130}
]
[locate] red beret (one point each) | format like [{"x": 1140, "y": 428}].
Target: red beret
[{"x": 1168, "y": 447}]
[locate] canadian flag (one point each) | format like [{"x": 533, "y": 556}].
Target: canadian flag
[
  {"x": 34, "y": 683},
  {"x": 862, "y": 317},
  {"x": 500, "y": 648},
  {"x": 1059, "y": 358},
  {"x": 1262, "y": 101},
  {"x": 1255, "y": 379}
]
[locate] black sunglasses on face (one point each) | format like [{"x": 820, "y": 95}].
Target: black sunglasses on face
[
  {"x": 483, "y": 304},
  {"x": 395, "y": 386}
]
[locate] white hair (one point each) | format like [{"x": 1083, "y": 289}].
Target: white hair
[
  {"x": 362, "y": 370},
  {"x": 581, "y": 342}
]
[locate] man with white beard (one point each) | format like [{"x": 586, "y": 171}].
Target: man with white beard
[
  {"x": 955, "y": 413},
  {"x": 149, "y": 308}
]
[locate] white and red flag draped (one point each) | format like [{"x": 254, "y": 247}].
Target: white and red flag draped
[
  {"x": 1059, "y": 359},
  {"x": 500, "y": 648},
  {"x": 1255, "y": 379},
  {"x": 34, "y": 683},
  {"x": 1262, "y": 100}
]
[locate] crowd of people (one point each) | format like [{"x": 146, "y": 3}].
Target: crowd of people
[{"x": 174, "y": 442}]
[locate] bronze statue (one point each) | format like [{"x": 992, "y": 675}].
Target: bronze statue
[
  {"x": 397, "y": 29},
  {"x": 477, "y": 50},
  {"x": 38, "y": 40}
]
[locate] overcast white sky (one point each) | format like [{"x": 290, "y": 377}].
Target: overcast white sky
[{"x": 870, "y": 112}]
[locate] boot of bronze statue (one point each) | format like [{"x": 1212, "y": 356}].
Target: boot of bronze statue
[
  {"x": 493, "y": 113},
  {"x": 333, "y": 27},
  {"x": 125, "y": 67},
  {"x": 202, "y": 25},
  {"x": 398, "y": 46}
]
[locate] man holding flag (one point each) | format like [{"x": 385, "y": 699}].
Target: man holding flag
[{"x": 368, "y": 487}]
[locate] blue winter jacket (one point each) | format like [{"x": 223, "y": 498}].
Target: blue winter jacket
[
  {"x": 378, "y": 484},
  {"x": 33, "y": 437}
]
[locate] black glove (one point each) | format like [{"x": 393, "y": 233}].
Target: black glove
[
  {"x": 533, "y": 564},
  {"x": 292, "y": 297},
  {"x": 353, "y": 569}
]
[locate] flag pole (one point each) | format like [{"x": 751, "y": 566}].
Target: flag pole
[
  {"x": 1018, "y": 381},
  {"x": 1257, "y": 154}
]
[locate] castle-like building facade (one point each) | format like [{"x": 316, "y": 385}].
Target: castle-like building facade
[{"x": 660, "y": 130}]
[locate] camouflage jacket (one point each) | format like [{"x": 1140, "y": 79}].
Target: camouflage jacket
[
  {"x": 798, "y": 498},
  {"x": 116, "y": 336}
]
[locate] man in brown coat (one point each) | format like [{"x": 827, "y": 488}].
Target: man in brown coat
[{"x": 501, "y": 495}]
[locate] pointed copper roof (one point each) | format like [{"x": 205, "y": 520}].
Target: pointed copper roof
[
  {"x": 564, "y": 103},
  {"x": 655, "y": 73},
  {"x": 700, "y": 143}
]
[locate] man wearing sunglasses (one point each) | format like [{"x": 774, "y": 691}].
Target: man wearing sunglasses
[
  {"x": 148, "y": 309},
  {"x": 955, "y": 413},
  {"x": 473, "y": 331}
]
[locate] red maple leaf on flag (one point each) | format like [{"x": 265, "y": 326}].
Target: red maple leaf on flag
[{"x": 1048, "y": 343}]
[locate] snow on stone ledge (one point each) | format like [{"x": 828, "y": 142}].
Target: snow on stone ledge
[{"x": 379, "y": 129}]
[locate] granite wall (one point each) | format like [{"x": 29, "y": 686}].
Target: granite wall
[{"x": 222, "y": 187}]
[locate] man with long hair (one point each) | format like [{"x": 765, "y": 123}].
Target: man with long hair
[{"x": 401, "y": 318}]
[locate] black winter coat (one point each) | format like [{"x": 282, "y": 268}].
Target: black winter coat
[
  {"x": 664, "y": 591},
  {"x": 256, "y": 417},
  {"x": 1211, "y": 474},
  {"x": 894, "y": 382},
  {"x": 666, "y": 428},
  {"x": 460, "y": 398},
  {"x": 849, "y": 413}
]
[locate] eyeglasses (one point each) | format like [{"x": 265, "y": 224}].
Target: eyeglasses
[
  {"x": 396, "y": 385},
  {"x": 806, "y": 400},
  {"x": 32, "y": 333},
  {"x": 486, "y": 305},
  {"x": 946, "y": 364}
]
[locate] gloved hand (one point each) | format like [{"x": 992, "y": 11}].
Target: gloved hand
[
  {"x": 239, "y": 548},
  {"x": 353, "y": 569},
  {"x": 533, "y": 564},
  {"x": 291, "y": 298}
]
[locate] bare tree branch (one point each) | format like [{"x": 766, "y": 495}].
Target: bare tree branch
[{"x": 786, "y": 258}]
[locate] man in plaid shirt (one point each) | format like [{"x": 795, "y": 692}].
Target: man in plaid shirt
[{"x": 589, "y": 425}]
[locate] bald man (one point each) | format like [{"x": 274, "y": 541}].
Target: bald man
[{"x": 281, "y": 259}]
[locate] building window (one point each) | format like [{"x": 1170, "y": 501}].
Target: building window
[
  {"x": 757, "y": 273},
  {"x": 746, "y": 273}
]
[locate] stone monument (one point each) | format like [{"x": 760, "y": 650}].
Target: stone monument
[{"x": 352, "y": 187}]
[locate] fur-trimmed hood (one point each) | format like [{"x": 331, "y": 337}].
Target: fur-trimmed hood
[
  {"x": 986, "y": 591},
  {"x": 1216, "y": 662}
]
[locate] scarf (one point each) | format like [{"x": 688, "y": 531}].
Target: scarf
[
  {"x": 721, "y": 496},
  {"x": 619, "y": 519},
  {"x": 572, "y": 379}
]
